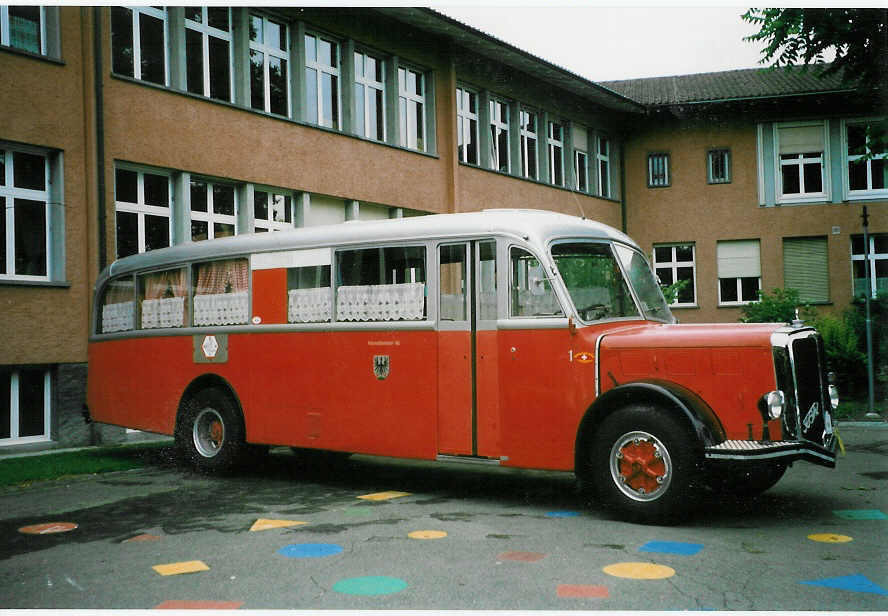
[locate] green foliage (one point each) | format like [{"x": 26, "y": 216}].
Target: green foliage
[
  {"x": 841, "y": 345},
  {"x": 778, "y": 307},
  {"x": 671, "y": 291}
]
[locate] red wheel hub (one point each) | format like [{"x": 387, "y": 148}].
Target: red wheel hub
[
  {"x": 216, "y": 432},
  {"x": 641, "y": 466}
]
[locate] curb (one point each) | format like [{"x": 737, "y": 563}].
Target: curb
[{"x": 872, "y": 425}]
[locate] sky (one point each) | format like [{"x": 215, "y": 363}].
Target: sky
[{"x": 604, "y": 43}]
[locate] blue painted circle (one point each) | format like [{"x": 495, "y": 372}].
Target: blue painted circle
[
  {"x": 310, "y": 550},
  {"x": 562, "y": 514},
  {"x": 372, "y": 585}
]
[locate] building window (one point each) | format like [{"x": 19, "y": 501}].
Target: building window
[
  {"x": 25, "y": 397},
  {"x": 877, "y": 263},
  {"x": 499, "y": 135},
  {"x": 555, "y": 149},
  {"x": 24, "y": 215},
  {"x": 806, "y": 268},
  {"x": 603, "y": 156},
  {"x": 208, "y": 51},
  {"x": 322, "y": 81},
  {"x": 718, "y": 166},
  {"x": 739, "y": 271},
  {"x": 138, "y": 43},
  {"x": 269, "y": 54},
  {"x": 142, "y": 203},
  {"x": 273, "y": 211},
  {"x": 866, "y": 161},
  {"x": 658, "y": 174},
  {"x": 411, "y": 108},
  {"x": 467, "y": 126},
  {"x": 213, "y": 210},
  {"x": 801, "y": 155},
  {"x": 674, "y": 263},
  {"x": 528, "y": 127},
  {"x": 581, "y": 171},
  {"x": 23, "y": 27},
  {"x": 369, "y": 96}
]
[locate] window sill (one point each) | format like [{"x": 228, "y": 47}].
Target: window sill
[
  {"x": 30, "y": 54},
  {"x": 11, "y": 282},
  {"x": 684, "y": 306},
  {"x": 868, "y": 196},
  {"x": 537, "y": 182}
]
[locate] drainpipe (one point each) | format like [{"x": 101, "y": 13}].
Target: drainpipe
[
  {"x": 100, "y": 135},
  {"x": 623, "y": 187}
]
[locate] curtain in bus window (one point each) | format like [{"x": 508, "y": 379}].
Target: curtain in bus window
[
  {"x": 118, "y": 306},
  {"x": 221, "y": 293},
  {"x": 381, "y": 284},
  {"x": 162, "y": 299},
  {"x": 309, "y": 297}
]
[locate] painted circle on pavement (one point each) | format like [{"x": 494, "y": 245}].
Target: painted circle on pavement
[
  {"x": 427, "y": 534},
  {"x": 639, "y": 571},
  {"x": 48, "y": 528},
  {"x": 310, "y": 550},
  {"x": 830, "y": 538},
  {"x": 371, "y": 585},
  {"x": 562, "y": 514}
]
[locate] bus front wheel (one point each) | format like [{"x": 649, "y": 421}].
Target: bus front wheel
[{"x": 209, "y": 431}]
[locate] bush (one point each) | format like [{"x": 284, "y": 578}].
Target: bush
[
  {"x": 778, "y": 307},
  {"x": 841, "y": 345}
]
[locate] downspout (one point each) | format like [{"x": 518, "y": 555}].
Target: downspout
[
  {"x": 100, "y": 136},
  {"x": 623, "y": 187}
]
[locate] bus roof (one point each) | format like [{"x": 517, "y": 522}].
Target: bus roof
[{"x": 535, "y": 226}]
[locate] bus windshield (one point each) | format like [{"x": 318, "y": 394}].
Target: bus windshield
[{"x": 595, "y": 281}]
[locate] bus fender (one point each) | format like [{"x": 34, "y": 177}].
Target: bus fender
[
  {"x": 665, "y": 394},
  {"x": 211, "y": 380}
]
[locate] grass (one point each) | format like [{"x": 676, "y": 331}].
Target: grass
[
  {"x": 855, "y": 410},
  {"x": 26, "y": 469}
]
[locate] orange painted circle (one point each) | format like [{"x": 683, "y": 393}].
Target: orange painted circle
[
  {"x": 639, "y": 571},
  {"x": 48, "y": 528},
  {"x": 830, "y": 538},
  {"x": 427, "y": 534}
]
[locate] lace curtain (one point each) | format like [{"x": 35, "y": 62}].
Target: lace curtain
[
  {"x": 163, "y": 304},
  {"x": 221, "y": 295},
  {"x": 118, "y": 307},
  {"x": 309, "y": 305},
  {"x": 388, "y": 302}
]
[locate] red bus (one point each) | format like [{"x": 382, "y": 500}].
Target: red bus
[{"x": 521, "y": 338}]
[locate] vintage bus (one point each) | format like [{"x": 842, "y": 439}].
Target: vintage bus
[{"x": 513, "y": 337}]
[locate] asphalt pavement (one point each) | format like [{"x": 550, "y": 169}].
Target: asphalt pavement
[{"x": 371, "y": 533}]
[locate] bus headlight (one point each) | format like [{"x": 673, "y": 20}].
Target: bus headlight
[
  {"x": 772, "y": 404},
  {"x": 833, "y": 390}
]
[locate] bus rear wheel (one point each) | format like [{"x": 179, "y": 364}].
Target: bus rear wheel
[{"x": 209, "y": 431}]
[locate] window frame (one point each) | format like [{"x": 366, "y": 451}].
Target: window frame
[
  {"x": 206, "y": 32},
  {"x": 674, "y": 264},
  {"x": 741, "y": 301},
  {"x": 873, "y": 257},
  {"x": 499, "y": 126},
  {"x": 136, "y": 13},
  {"x": 603, "y": 166},
  {"x": 369, "y": 85},
  {"x": 653, "y": 180},
  {"x": 412, "y": 140},
  {"x": 869, "y": 192},
  {"x": 725, "y": 155},
  {"x": 14, "y": 410},
  {"x": 581, "y": 178},
  {"x": 268, "y": 50},
  {"x": 10, "y": 192},
  {"x": 467, "y": 126},
  {"x": 268, "y": 224},
  {"x": 335, "y": 72},
  {"x": 141, "y": 209},
  {"x": 801, "y": 159},
  {"x": 525, "y": 136},
  {"x": 210, "y": 216},
  {"x": 6, "y": 31},
  {"x": 555, "y": 151}
]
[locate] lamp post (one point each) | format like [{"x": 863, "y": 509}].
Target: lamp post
[{"x": 871, "y": 411}]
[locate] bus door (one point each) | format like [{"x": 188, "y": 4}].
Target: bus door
[{"x": 468, "y": 416}]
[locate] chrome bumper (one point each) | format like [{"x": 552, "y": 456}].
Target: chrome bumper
[{"x": 785, "y": 451}]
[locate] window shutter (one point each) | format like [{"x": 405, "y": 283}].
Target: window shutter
[
  {"x": 579, "y": 137},
  {"x": 739, "y": 259},
  {"x": 806, "y": 267},
  {"x": 801, "y": 139}
]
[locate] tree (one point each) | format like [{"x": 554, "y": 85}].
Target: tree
[{"x": 857, "y": 36}]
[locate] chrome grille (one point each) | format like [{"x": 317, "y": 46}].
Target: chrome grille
[{"x": 798, "y": 363}]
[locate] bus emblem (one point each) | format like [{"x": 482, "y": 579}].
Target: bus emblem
[{"x": 381, "y": 366}]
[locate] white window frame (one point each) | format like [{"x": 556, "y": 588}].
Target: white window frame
[
  {"x": 210, "y": 216},
  {"x": 525, "y": 136},
  {"x": 333, "y": 71},
  {"x": 141, "y": 208},
  {"x": 674, "y": 264},
  {"x": 738, "y": 279},
  {"x": 869, "y": 192},
  {"x": 269, "y": 224},
  {"x": 6, "y": 30},
  {"x": 799, "y": 162},
  {"x": 873, "y": 257},
  {"x": 711, "y": 156},
  {"x": 581, "y": 161},
  {"x": 655, "y": 182},
  {"x": 467, "y": 141},
  {"x": 161, "y": 14},
  {"x": 602, "y": 157},
  {"x": 407, "y": 103},
  {"x": 270, "y": 50},
  {"x": 499, "y": 124},
  {"x": 206, "y": 31},
  {"x": 368, "y": 87},
  {"x": 14, "y": 412},
  {"x": 556, "y": 160},
  {"x": 10, "y": 193}
]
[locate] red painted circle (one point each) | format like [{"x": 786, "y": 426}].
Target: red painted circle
[{"x": 48, "y": 528}]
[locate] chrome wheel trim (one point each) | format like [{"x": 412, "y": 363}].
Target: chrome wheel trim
[
  {"x": 616, "y": 464},
  {"x": 208, "y": 433}
]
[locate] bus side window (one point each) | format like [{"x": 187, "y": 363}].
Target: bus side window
[
  {"x": 118, "y": 306},
  {"x": 162, "y": 298},
  {"x": 452, "y": 281},
  {"x": 381, "y": 284},
  {"x": 531, "y": 293},
  {"x": 221, "y": 292},
  {"x": 309, "y": 297}
]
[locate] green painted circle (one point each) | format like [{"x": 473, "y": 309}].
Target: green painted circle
[{"x": 372, "y": 585}]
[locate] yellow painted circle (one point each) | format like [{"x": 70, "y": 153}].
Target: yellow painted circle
[
  {"x": 640, "y": 571},
  {"x": 830, "y": 538},
  {"x": 427, "y": 534}
]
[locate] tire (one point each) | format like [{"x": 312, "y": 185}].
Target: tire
[
  {"x": 210, "y": 430},
  {"x": 746, "y": 481},
  {"x": 645, "y": 464}
]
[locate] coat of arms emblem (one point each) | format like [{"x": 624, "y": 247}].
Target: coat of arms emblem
[{"x": 381, "y": 366}]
